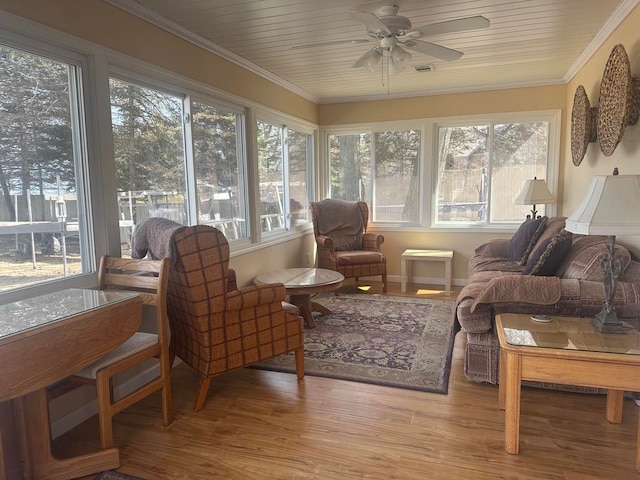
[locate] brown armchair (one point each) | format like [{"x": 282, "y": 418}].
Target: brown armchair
[
  {"x": 214, "y": 328},
  {"x": 340, "y": 229}
]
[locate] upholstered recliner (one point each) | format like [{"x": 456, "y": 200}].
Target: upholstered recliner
[
  {"x": 340, "y": 230},
  {"x": 215, "y": 328}
]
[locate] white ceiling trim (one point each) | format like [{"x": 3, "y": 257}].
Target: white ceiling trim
[
  {"x": 598, "y": 40},
  {"x": 176, "y": 29},
  {"x": 443, "y": 91}
]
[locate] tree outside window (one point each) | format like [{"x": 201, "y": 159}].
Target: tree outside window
[{"x": 42, "y": 234}]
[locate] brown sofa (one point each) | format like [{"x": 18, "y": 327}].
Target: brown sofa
[{"x": 571, "y": 287}]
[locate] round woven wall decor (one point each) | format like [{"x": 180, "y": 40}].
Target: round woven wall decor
[
  {"x": 618, "y": 103},
  {"x": 583, "y": 125}
]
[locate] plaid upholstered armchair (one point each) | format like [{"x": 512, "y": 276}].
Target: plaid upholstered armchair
[
  {"x": 214, "y": 327},
  {"x": 340, "y": 229}
]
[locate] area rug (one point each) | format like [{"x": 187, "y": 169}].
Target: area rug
[
  {"x": 113, "y": 475},
  {"x": 394, "y": 341}
]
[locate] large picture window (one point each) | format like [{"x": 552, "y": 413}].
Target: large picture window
[
  {"x": 284, "y": 160},
  {"x": 43, "y": 210},
  {"x": 381, "y": 168},
  {"x": 219, "y": 168},
  {"x": 482, "y": 167}
]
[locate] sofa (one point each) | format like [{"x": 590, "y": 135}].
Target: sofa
[{"x": 542, "y": 269}]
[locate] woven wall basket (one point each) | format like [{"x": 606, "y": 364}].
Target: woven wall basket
[
  {"x": 619, "y": 95},
  {"x": 583, "y": 125}
]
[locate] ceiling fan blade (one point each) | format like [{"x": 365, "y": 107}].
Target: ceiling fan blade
[
  {"x": 450, "y": 26},
  {"x": 372, "y": 22},
  {"x": 324, "y": 44},
  {"x": 433, "y": 50}
]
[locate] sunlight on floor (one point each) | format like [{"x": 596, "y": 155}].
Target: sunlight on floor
[{"x": 424, "y": 291}]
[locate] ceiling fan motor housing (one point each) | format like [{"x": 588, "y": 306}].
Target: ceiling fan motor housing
[{"x": 396, "y": 23}]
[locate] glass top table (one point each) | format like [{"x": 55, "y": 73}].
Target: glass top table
[
  {"x": 301, "y": 284},
  {"x": 567, "y": 333},
  {"x": 45, "y": 339},
  {"x": 564, "y": 350},
  {"x": 35, "y": 312}
]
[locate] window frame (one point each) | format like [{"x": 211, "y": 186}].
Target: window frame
[
  {"x": 552, "y": 117},
  {"x": 285, "y": 123},
  {"x": 82, "y": 81},
  {"x": 427, "y": 182}
]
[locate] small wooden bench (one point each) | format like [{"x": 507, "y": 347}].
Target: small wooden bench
[{"x": 413, "y": 254}]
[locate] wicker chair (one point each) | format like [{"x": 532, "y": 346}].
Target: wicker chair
[
  {"x": 357, "y": 261},
  {"x": 215, "y": 329}
]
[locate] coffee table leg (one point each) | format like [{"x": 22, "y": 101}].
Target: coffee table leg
[
  {"x": 303, "y": 302},
  {"x": 513, "y": 366}
]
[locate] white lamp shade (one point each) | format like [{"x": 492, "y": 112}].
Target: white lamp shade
[
  {"x": 610, "y": 207},
  {"x": 535, "y": 192}
]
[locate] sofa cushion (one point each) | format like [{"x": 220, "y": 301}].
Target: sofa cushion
[
  {"x": 520, "y": 245},
  {"x": 546, "y": 259},
  {"x": 583, "y": 261},
  {"x": 552, "y": 227}
]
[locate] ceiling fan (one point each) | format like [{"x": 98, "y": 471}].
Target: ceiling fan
[{"x": 395, "y": 34}]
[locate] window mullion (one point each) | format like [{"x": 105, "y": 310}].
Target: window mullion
[{"x": 190, "y": 169}]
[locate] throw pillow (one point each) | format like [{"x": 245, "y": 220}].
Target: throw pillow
[
  {"x": 520, "y": 245},
  {"x": 546, "y": 259}
]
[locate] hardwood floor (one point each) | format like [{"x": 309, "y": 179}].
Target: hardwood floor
[{"x": 265, "y": 425}]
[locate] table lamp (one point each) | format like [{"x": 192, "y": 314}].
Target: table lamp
[
  {"x": 534, "y": 192},
  {"x": 609, "y": 208}
]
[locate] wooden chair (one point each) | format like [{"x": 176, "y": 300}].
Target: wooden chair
[
  {"x": 216, "y": 328},
  {"x": 149, "y": 277},
  {"x": 362, "y": 256}
]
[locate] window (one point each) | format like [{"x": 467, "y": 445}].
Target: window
[
  {"x": 148, "y": 145},
  {"x": 381, "y": 168},
  {"x": 284, "y": 158},
  {"x": 219, "y": 168},
  {"x": 482, "y": 167},
  {"x": 43, "y": 213}
]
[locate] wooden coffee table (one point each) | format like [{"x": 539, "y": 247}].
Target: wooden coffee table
[
  {"x": 301, "y": 284},
  {"x": 566, "y": 350}
]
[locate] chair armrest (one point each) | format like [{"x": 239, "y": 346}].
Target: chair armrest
[
  {"x": 325, "y": 242},
  {"x": 232, "y": 282},
  {"x": 372, "y": 241},
  {"x": 252, "y": 296}
]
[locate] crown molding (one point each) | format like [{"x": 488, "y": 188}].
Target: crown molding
[
  {"x": 443, "y": 91},
  {"x": 613, "y": 22},
  {"x": 174, "y": 28}
]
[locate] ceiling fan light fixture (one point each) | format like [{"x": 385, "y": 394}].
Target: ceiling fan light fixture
[
  {"x": 399, "y": 58},
  {"x": 372, "y": 59}
]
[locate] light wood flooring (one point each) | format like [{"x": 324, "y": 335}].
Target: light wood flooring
[{"x": 266, "y": 425}]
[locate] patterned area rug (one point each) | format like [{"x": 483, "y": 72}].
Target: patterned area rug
[
  {"x": 113, "y": 475},
  {"x": 394, "y": 341}
]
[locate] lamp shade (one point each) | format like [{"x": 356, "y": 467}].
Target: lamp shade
[
  {"x": 610, "y": 207},
  {"x": 535, "y": 192}
]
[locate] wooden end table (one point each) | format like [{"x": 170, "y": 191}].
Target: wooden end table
[
  {"x": 301, "y": 284},
  {"x": 565, "y": 350}
]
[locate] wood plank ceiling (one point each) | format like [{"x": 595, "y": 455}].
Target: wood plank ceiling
[{"x": 529, "y": 42}]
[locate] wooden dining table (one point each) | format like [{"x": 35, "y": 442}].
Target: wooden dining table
[{"x": 43, "y": 340}]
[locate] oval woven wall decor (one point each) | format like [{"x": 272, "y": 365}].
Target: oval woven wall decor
[
  {"x": 583, "y": 125},
  {"x": 618, "y": 100}
]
